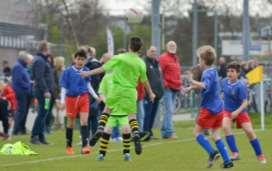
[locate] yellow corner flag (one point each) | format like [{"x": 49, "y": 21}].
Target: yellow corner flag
[{"x": 255, "y": 75}]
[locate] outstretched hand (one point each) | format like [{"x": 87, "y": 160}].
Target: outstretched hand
[
  {"x": 187, "y": 89},
  {"x": 190, "y": 76},
  {"x": 84, "y": 73}
]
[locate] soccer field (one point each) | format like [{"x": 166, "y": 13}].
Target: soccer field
[{"x": 159, "y": 155}]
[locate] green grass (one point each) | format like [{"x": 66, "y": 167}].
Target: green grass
[{"x": 159, "y": 155}]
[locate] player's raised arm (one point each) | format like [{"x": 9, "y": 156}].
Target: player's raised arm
[
  {"x": 195, "y": 84},
  {"x": 91, "y": 91},
  {"x": 92, "y": 72}
]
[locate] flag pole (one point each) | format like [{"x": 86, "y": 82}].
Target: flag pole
[{"x": 262, "y": 105}]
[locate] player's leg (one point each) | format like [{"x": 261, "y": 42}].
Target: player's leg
[
  {"x": 221, "y": 148},
  {"x": 104, "y": 142},
  {"x": 135, "y": 133},
  {"x": 103, "y": 119},
  {"x": 69, "y": 135},
  {"x": 126, "y": 137},
  {"x": 71, "y": 115},
  {"x": 230, "y": 137},
  {"x": 254, "y": 141},
  {"x": 101, "y": 124},
  {"x": 205, "y": 121},
  {"x": 205, "y": 144},
  {"x": 84, "y": 131},
  {"x": 105, "y": 137},
  {"x": 83, "y": 110}
]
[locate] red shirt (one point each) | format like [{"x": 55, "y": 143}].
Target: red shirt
[
  {"x": 171, "y": 71},
  {"x": 9, "y": 94},
  {"x": 140, "y": 91}
]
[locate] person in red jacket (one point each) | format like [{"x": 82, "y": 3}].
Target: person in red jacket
[
  {"x": 171, "y": 73},
  {"x": 7, "y": 105},
  {"x": 8, "y": 93}
]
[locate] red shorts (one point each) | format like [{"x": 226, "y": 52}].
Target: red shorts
[
  {"x": 241, "y": 118},
  {"x": 206, "y": 119},
  {"x": 76, "y": 105}
]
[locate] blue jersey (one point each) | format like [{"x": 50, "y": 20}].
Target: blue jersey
[
  {"x": 210, "y": 95},
  {"x": 74, "y": 84},
  {"x": 234, "y": 94}
]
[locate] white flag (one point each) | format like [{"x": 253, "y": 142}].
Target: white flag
[{"x": 110, "y": 41}]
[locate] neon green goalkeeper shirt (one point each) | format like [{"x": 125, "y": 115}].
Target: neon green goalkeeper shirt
[{"x": 127, "y": 69}]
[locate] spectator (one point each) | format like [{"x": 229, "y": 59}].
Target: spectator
[
  {"x": 6, "y": 69},
  {"x": 222, "y": 70},
  {"x": 50, "y": 117},
  {"x": 7, "y": 105},
  {"x": 140, "y": 105},
  {"x": 21, "y": 84},
  {"x": 171, "y": 73},
  {"x": 93, "y": 63},
  {"x": 58, "y": 70},
  {"x": 140, "y": 100},
  {"x": 43, "y": 88},
  {"x": 154, "y": 78}
]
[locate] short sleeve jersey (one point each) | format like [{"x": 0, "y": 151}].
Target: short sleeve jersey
[
  {"x": 105, "y": 85},
  {"x": 74, "y": 84},
  {"x": 211, "y": 93},
  {"x": 127, "y": 69},
  {"x": 234, "y": 94}
]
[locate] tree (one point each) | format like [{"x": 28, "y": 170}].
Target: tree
[{"x": 71, "y": 23}]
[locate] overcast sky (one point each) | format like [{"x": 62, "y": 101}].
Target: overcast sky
[
  {"x": 118, "y": 7},
  {"x": 256, "y": 6}
]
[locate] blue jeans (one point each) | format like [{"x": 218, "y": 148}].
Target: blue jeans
[
  {"x": 169, "y": 104},
  {"x": 140, "y": 114},
  {"x": 39, "y": 124},
  {"x": 115, "y": 132},
  {"x": 93, "y": 117},
  {"x": 151, "y": 109},
  {"x": 23, "y": 102}
]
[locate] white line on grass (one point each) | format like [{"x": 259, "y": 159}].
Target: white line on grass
[{"x": 113, "y": 150}]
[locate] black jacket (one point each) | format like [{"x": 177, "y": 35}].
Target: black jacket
[
  {"x": 42, "y": 74},
  {"x": 91, "y": 64},
  {"x": 154, "y": 76},
  {"x": 222, "y": 71}
]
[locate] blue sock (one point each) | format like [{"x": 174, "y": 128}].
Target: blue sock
[
  {"x": 256, "y": 146},
  {"x": 231, "y": 143},
  {"x": 202, "y": 140},
  {"x": 222, "y": 150}
]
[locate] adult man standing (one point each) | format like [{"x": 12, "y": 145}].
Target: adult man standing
[
  {"x": 21, "y": 84},
  {"x": 43, "y": 88},
  {"x": 171, "y": 73},
  {"x": 94, "y": 113},
  {"x": 154, "y": 78}
]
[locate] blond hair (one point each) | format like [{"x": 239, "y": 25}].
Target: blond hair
[
  {"x": 207, "y": 54},
  {"x": 59, "y": 62}
]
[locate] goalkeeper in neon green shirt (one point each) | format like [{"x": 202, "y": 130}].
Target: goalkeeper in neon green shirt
[
  {"x": 127, "y": 69},
  {"x": 115, "y": 119}
]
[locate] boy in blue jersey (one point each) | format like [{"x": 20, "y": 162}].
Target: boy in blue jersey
[
  {"x": 211, "y": 107},
  {"x": 235, "y": 103},
  {"x": 74, "y": 93}
]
